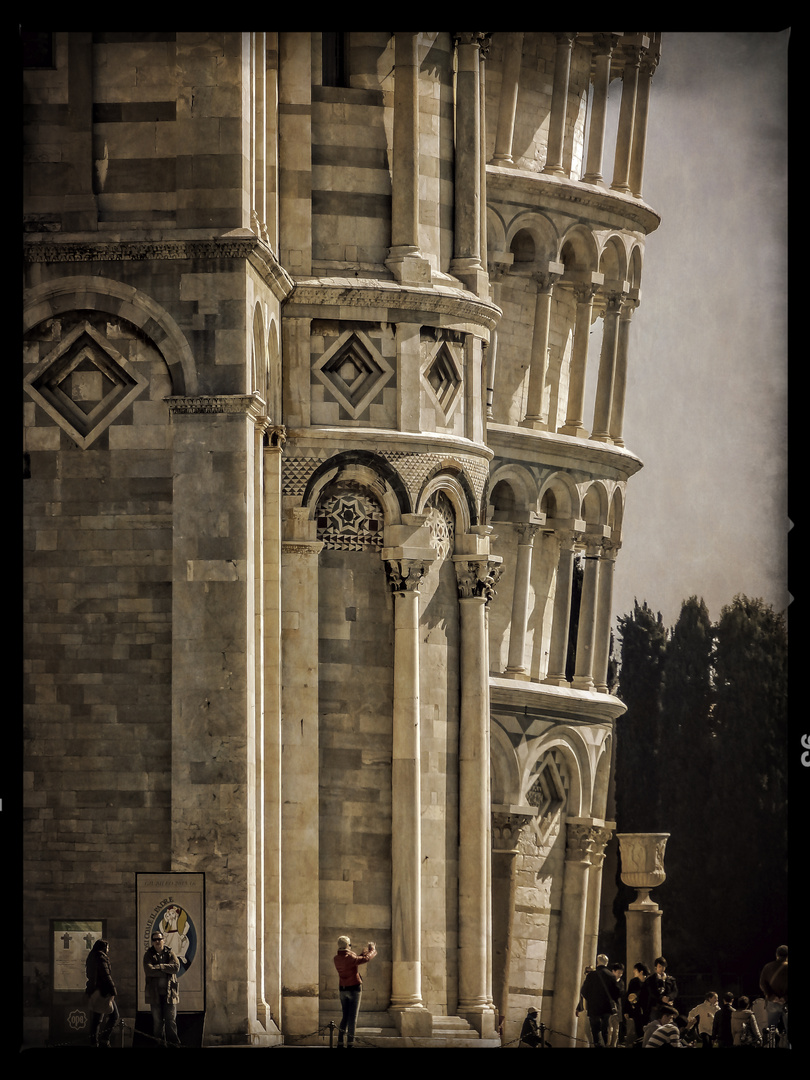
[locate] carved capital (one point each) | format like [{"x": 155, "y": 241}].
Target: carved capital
[
  {"x": 506, "y": 830},
  {"x": 477, "y": 577},
  {"x": 405, "y": 575}
]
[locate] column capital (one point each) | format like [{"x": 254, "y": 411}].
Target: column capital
[
  {"x": 405, "y": 575},
  {"x": 477, "y": 576},
  {"x": 506, "y": 830},
  {"x": 481, "y": 38},
  {"x": 604, "y": 44}
]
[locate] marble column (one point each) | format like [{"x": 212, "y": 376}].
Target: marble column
[
  {"x": 498, "y": 270},
  {"x": 647, "y": 68},
  {"x": 405, "y": 259},
  {"x": 604, "y": 615},
  {"x": 506, "y": 829},
  {"x": 574, "y": 422},
  {"x": 559, "y": 104},
  {"x": 606, "y": 378},
  {"x": 466, "y": 264},
  {"x": 405, "y": 576},
  {"x": 561, "y": 616},
  {"x": 620, "y": 380},
  {"x": 603, "y": 50},
  {"x": 627, "y": 119},
  {"x": 516, "y": 662},
  {"x": 601, "y": 837},
  {"x": 586, "y": 630},
  {"x": 580, "y": 844},
  {"x": 507, "y": 106},
  {"x": 476, "y": 577},
  {"x": 538, "y": 366}
]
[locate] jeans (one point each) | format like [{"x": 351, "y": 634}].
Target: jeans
[
  {"x": 350, "y": 1003},
  {"x": 165, "y": 1013},
  {"x": 599, "y": 1028}
]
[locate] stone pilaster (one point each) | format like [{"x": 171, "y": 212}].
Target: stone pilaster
[
  {"x": 300, "y": 940},
  {"x": 216, "y": 789}
]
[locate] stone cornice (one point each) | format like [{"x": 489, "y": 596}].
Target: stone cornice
[
  {"x": 562, "y": 451},
  {"x": 239, "y": 244},
  {"x": 250, "y": 405},
  {"x": 363, "y": 293},
  {"x": 558, "y": 704},
  {"x": 591, "y": 203}
]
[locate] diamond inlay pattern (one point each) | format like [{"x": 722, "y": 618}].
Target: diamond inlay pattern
[{"x": 84, "y": 384}]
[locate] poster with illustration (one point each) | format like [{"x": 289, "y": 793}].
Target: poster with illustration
[{"x": 174, "y": 903}]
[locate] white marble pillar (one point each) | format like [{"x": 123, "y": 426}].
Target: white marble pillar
[
  {"x": 648, "y": 64},
  {"x": 561, "y": 616},
  {"x": 507, "y": 105},
  {"x": 405, "y": 259},
  {"x": 604, "y": 615},
  {"x": 559, "y": 104},
  {"x": 586, "y": 629},
  {"x": 516, "y": 661},
  {"x": 601, "y": 835},
  {"x": 603, "y": 50},
  {"x": 574, "y": 422},
  {"x": 466, "y": 264},
  {"x": 405, "y": 576},
  {"x": 580, "y": 841},
  {"x": 498, "y": 270},
  {"x": 627, "y": 119},
  {"x": 476, "y": 577},
  {"x": 620, "y": 380},
  {"x": 538, "y": 366},
  {"x": 606, "y": 378}
]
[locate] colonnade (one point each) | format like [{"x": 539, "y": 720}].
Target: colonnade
[
  {"x": 617, "y": 310},
  {"x": 593, "y": 636},
  {"x": 637, "y": 56},
  {"x": 476, "y": 575}
]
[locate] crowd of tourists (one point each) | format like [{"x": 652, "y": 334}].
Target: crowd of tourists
[{"x": 645, "y": 1012}]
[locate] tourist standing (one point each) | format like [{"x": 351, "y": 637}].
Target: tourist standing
[
  {"x": 100, "y": 989},
  {"x": 350, "y": 985},
  {"x": 160, "y": 966}
]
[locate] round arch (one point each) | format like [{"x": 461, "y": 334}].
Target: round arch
[
  {"x": 574, "y": 751},
  {"x": 92, "y": 293},
  {"x": 564, "y": 492},
  {"x": 522, "y": 484},
  {"x": 457, "y": 488},
  {"x": 595, "y": 503},
  {"x": 369, "y": 470},
  {"x": 537, "y": 229},
  {"x": 578, "y": 250}
]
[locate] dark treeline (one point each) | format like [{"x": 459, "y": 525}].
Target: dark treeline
[{"x": 701, "y": 753}]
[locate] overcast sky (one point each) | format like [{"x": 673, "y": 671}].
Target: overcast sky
[{"x": 707, "y": 384}]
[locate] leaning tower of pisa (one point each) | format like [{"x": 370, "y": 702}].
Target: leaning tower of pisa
[{"x": 326, "y": 347}]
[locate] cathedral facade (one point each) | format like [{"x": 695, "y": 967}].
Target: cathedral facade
[{"x": 325, "y": 355}]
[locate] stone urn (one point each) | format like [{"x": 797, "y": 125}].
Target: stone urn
[{"x": 643, "y": 863}]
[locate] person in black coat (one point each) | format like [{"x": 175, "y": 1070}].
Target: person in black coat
[
  {"x": 100, "y": 986},
  {"x": 601, "y": 993},
  {"x": 659, "y": 989}
]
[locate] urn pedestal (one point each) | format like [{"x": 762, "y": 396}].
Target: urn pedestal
[{"x": 642, "y": 857}]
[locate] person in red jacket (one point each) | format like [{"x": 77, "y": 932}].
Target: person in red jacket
[{"x": 350, "y": 985}]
